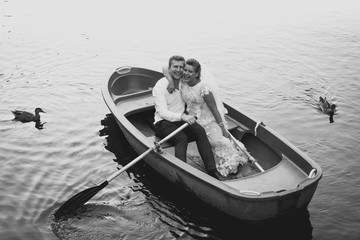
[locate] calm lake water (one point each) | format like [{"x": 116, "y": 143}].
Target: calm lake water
[{"x": 273, "y": 59}]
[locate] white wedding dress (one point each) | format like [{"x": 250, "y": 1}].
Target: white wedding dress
[{"x": 227, "y": 157}]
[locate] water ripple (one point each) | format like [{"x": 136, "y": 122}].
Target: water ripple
[{"x": 271, "y": 64}]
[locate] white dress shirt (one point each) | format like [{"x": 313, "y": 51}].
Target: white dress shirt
[{"x": 168, "y": 106}]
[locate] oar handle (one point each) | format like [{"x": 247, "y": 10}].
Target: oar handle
[
  {"x": 247, "y": 154},
  {"x": 173, "y": 133},
  {"x": 117, "y": 173}
]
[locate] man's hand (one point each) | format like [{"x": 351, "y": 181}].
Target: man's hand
[{"x": 188, "y": 119}]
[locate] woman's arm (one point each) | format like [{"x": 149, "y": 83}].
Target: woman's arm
[
  {"x": 171, "y": 85},
  {"x": 210, "y": 101}
]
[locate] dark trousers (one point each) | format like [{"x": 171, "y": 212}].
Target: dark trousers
[{"x": 181, "y": 140}]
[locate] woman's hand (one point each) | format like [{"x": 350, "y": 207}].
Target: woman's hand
[
  {"x": 224, "y": 130},
  {"x": 171, "y": 87},
  {"x": 226, "y": 133}
]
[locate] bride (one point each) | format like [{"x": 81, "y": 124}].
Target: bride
[{"x": 202, "y": 100}]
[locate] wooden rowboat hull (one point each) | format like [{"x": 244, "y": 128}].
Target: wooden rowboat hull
[{"x": 287, "y": 185}]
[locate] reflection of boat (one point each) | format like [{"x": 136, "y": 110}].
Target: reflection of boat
[
  {"x": 115, "y": 140},
  {"x": 288, "y": 183},
  {"x": 292, "y": 226}
]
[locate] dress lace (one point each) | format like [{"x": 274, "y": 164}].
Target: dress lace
[{"x": 227, "y": 157}]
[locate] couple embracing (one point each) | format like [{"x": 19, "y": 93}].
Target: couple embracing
[{"x": 185, "y": 94}]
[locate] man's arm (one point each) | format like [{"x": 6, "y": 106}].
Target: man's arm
[{"x": 161, "y": 105}]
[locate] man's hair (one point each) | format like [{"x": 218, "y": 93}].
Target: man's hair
[
  {"x": 176, "y": 58},
  {"x": 196, "y": 65}
]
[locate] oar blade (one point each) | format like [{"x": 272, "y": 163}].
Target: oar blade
[
  {"x": 78, "y": 200},
  {"x": 82, "y": 197}
]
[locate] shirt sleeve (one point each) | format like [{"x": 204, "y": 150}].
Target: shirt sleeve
[{"x": 159, "y": 93}]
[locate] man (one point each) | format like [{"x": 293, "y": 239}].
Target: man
[{"x": 170, "y": 115}]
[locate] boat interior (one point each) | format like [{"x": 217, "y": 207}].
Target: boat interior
[{"x": 281, "y": 173}]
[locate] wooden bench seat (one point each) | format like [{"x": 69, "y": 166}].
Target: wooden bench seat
[{"x": 232, "y": 125}]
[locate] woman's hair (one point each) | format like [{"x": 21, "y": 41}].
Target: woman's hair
[{"x": 196, "y": 65}]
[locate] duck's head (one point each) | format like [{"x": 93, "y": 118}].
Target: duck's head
[
  {"x": 331, "y": 110},
  {"x": 332, "y": 107},
  {"x": 37, "y": 110}
]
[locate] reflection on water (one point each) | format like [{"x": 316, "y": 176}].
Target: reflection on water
[
  {"x": 39, "y": 125},
  {"x": 110, "y": 222},
  {"x": 165, "y": 210},
  {"x": 115, "y": 140},
  {"x": 186, "y": 214}
]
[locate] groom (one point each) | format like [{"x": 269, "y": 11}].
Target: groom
[{"x": 170, "y": 115}]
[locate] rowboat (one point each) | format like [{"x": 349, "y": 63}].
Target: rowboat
[{"x": 287, "y": 183}]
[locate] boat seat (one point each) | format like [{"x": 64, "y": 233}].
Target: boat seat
[{"x": 232, "y": 125}]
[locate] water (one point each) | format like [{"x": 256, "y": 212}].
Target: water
[{"x": 272, "y": 59}]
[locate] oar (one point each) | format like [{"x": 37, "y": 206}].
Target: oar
[
  {"x": 247, "y": 154},
  {"x": 82, "y": 197}
]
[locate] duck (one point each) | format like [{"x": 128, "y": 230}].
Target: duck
[
  {"x": 326, "y": 107},
  {"x": 24, "y": 116}
]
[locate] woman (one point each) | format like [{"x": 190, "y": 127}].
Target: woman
[{"x": 202, "y": 100}]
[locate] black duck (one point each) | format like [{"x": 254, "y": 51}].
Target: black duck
[
  {"x": 326, "y": 107},
  {"x": 24, "y": 116}
]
